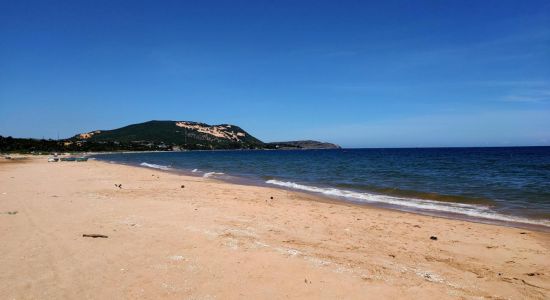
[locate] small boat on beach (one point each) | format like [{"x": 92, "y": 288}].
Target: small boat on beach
[
  {"x": 68, "y": 159},
  {"x": 53, "y": 159},
  {"x": 81, "y": 159}
]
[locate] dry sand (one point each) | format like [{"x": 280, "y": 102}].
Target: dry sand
[{"x": 215, "y": 240}]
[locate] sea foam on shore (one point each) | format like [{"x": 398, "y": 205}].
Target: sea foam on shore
[
  {"x": 210, "y": 174},
  {"x": 154, "y": 166},
  {"x": 475, "y": 211}
]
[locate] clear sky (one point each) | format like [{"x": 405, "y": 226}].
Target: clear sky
[{"x": 357, "y": 73}]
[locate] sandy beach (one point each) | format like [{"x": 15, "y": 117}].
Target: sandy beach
[{"x": 179, "y": 237}]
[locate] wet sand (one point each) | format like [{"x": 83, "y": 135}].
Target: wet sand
[{"x": 217, "y": 240}]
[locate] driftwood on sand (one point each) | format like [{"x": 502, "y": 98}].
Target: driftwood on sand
[{"x": 95, "y": 235}]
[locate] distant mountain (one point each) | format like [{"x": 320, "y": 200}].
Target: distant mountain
[
  {"x": 308, "y": 144},
  {"x": 184, "y": 134},
  {"x": 156, "y": 136}
]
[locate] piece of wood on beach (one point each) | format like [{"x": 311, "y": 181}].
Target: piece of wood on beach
[{"x": 95, "y": 235}]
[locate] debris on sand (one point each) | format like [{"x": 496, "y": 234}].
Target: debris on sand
[
  {"x": 434, "y": 238},
  {"x": 182, "y": 186},
  {"x": 118, "y": 185},
  {"x": 11, "y": 212},
  {"x": 95, "y": 235}
]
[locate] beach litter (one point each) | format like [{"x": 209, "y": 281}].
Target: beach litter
[
  {"x": 95, "y": 235},
  {"x": 176, "y": 257},
  {"x": 434, "y": 238},
  {"x": 11, "y": 212}
]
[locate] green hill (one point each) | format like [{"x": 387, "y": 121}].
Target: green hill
[{"x": 184, "y": 134}]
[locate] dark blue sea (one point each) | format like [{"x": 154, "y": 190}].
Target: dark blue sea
[{"x": 487, "y": 184}]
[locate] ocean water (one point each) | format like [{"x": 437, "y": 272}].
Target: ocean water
[{"x": 485, "y": 184}]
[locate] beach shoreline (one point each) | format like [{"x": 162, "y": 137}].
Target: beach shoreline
[
  {"x": 517, "y": 221},
  {"x": 172, "y": 236}
]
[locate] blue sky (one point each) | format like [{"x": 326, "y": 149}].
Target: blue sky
[{"x": 357, "y": 73}]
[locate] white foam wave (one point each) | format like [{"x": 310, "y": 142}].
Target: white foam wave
[
  {"x": 210, "y": 174},
  {"x": 195, "y": 170},
  {"x": 475, "y": 211},
  {"x": 154, "y": 166}
]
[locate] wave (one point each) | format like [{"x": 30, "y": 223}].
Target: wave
[
  {"x": 154, "y": 166},
  {"x": 407, "y": 193},
  {"x": 194, "y": 170},
  {"x": 476, "y": 211},
  {"x": 210, "y": 174}
]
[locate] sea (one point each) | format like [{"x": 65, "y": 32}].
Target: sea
[{"x": 509, "y": 185}]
